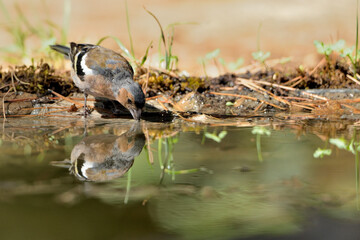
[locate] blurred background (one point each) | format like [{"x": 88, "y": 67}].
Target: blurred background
[{"x": 288, "y": 28}]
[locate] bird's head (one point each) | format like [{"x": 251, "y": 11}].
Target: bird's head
[{"x": 132, "y": 97}]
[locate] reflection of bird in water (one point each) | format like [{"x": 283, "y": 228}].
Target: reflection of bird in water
[{"x": 105, "y": 157}]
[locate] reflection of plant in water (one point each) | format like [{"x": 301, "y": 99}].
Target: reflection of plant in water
[
  {"x": 215, "y": 137},
  {"x": 321, "y": 152},
  {"x": 353, "y": 147},
  {"x": 260, "y": 130},
  {"x": 166, "y": 162}
]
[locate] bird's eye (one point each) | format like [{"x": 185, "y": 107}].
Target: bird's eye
[{"x": 129, "y": 101}]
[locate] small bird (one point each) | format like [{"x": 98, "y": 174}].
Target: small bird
[{"x": 104, "y": 73}]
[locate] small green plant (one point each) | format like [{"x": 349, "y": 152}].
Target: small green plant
[
  {"x": 321, "y": 152},
  {"x": 352, "y": 146},
  {"x": 214, "y": 56},
  {"x": 232, "y": 66},
  {"x": 352, "y": 53},
  {"x": 209, "y": 56},
  {"x": 259, "y": 55},
  {"x": 170, "y": 60},
  {"x": 258, "y": 131},
  {"x": 216, "y": 137}
]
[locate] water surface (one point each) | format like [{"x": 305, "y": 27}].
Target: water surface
[{"x": 122, "y": 180}]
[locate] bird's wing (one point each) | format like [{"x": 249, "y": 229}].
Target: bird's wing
[{"x": 106, "y": 62}]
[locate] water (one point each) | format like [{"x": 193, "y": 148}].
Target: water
[{"x": 174, "y": 181}]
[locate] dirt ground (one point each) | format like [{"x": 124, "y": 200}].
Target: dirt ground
[{"x": 288, "y": 27}]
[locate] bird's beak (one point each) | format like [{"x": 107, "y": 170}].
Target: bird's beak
[{"x": 136, "y": 113}]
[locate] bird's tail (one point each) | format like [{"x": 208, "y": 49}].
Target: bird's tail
[{"x": 61, "y": 49}]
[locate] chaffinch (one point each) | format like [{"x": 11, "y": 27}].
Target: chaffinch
[
  {"x": 104, "y": 73},
  {"x": 105, "y": 157}
]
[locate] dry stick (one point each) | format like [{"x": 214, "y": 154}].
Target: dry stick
[
  {"x": 292, "y": 89},
  {"x": 29, "y": 116},
  {"x": 298, "y": 79},
  {"x": 175, "y": 105},
  {"x": 151, "y": 157},
  {"x": 293, "y": 80},
  {"x": 63, "y": 116},
  {"x": 297, "y": 83},
  {"x": 234, "y": 95},
  {"x": 17, "y": 79},
  {"x": 8, "y": 85},
  {"x": 61, "y": 129},
  {"x": 322, "y": 61},
  {"x": 66, "y": 98},
  {"x": 21, "y": 99},
  {"x": 44, "y": 108},
  {"x": 247, "y": 97},
  {"x": 72, "y": 98},
  {"x": 154, "y": 97},
  {"x": 302, "y": 106},
  {"x": 12, "y": 81},
  {"x": 349, "y": 100},
  {"x": 353, "y": 79},
  {"x": 252, "y": 85},
  {"x": 56, "y": 111},
  {"x": 299, "y": 98},
  {"x": 3, "y": 103},
  {"x": 162, "y": 105},
  {"x": 259, "y": 106},
  {"x": 354, "y": 109}
]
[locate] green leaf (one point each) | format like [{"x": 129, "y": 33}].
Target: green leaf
[
  {"x": 235, "y": 65},
  {"x": 222, "y": 61},
  {"x": 338, "y": 46},
  {"x": 260, "y": 56},
  {"x": 320, "y": 153},
  {"x": 347, "y": 51},
  {"x": 213, "y": 137},
  {"x": 143, "y": 60},
  {"x": 229, "y": 104},
  {"x": 212, "y": 54},
  {"x": 260, "y": 130},
  {"x": 222, "y": 134},
  {"x": 341, "y": 143},
  {"x": 323, "y": 48}
]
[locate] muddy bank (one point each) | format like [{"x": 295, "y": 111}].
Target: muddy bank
[{"x": 326, "y": 91}]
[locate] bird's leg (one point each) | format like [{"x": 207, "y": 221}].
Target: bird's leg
[
  {"x": 86, "y": 109},
  {"x": 85, "y": 128}
]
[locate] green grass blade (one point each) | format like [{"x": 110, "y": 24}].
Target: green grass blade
[
  {"x": 128, "y": 28},
  {"x": 162, "y": 38},
  {"x": 143, "y": 60},
  {"x": 120, "y": 44},
  {"x": 5, "y": 11}
]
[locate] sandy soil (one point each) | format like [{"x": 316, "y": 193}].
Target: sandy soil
[{"x": 288, "y": 27}]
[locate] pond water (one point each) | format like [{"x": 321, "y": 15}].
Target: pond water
[{"x": 122, "y": 180}]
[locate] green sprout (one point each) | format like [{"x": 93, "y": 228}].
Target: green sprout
[
  {"x": 320, "y": 153},
  {"x": 217, "y": 138},
  {"x": 260, "y": 130},
  {"x": 353, "y": 147},
  {"x": 171, "y": 61},
  {"x": 214, "y": 56},
  {"x": 259, "y": 55},
  {"x": 209, "y": 56}
]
